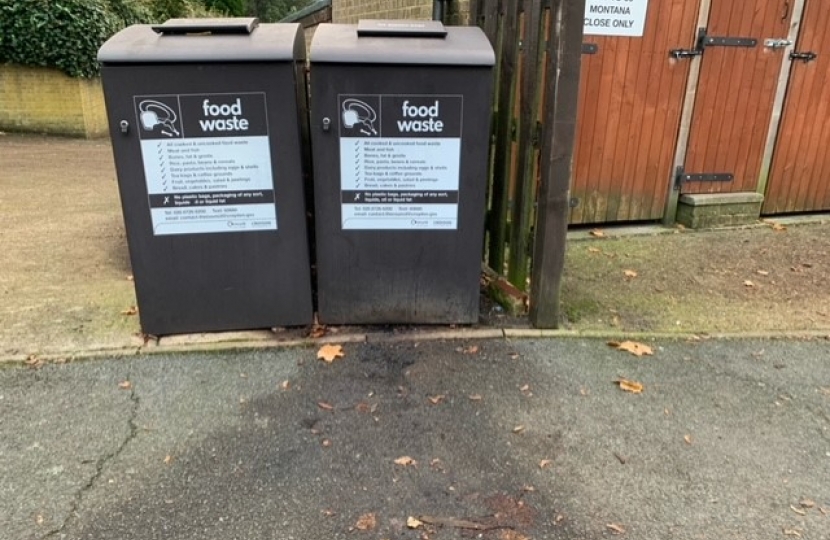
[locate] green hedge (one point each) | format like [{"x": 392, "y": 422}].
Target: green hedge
[{"x": 66, "y": 34}]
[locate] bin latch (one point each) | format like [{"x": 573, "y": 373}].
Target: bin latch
[{"x": 400, "y": 28}]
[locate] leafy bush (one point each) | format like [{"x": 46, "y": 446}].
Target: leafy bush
[
  {"x": 66, "y": 34},
  {"x": 232, "y": 8}
]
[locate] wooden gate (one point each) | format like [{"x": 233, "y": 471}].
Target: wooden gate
[
  {"x": 736, "y": 91},
  {"x": 799, "y": 181},
  {"x": 629, "y": 113}
]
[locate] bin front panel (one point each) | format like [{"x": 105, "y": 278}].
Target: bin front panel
[
  {"x": 400, "y": 156},
  {"x": 211, "y": 180}
]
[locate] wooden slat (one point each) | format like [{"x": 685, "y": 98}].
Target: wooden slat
[
  {"x": 800, "y": 173},
  {"x": 499, "y": 200},
  {"x": 525, "y": 185}
]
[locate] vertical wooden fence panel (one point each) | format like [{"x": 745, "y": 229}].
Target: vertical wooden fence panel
[{"x": 800, "y": 176}]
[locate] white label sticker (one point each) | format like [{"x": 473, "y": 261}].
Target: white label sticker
[
  {"x": 399, "y": 161},
  {"x": 615, "y": 17},
  {"x": 207, "y": 163}
]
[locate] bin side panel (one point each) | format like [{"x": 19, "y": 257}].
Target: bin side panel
[
  {"x": 214, "y": 212},
  {"x": 400, "y": 181}
]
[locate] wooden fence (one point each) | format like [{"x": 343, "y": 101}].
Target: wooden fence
[{"x": 538, "y": 45}]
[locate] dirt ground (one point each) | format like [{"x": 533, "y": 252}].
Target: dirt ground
[{"x": 64, "y": 265}]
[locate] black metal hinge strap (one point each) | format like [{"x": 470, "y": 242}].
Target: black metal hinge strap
[{"x": 704, "y": 40}]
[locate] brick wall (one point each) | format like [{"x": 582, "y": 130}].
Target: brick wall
[
  {"x": 350, "y": 11},
  {"x": 45, "y": 100}
]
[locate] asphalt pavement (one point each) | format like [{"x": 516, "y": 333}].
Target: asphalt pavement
[{"x": 481, "y": 438}]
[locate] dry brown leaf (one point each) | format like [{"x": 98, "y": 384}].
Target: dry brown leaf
[
  {"x": 807, "y": 503},
  {"x": 435, "y": 400},
  {"x": 524, "y": 388},
  {"x": 594, "y": 250},
  {"x": 317, "y": 331},
  {"x": 328, "y": 512},
  {"x": 125, "y": 385},
  {"x": 132, "y": 310},
  {"x": 406, "y": 461},
  {"x": 688, "y": 439},
  {"x": 470, "y": 349},
  {"x": 633, "y": 347},
  {"x": 285, "y": 385},
  {"x": 513, "y": 355},
  {"x": 798, "y": 511},
  {"x": 325, "y": 406},
  {"x": 168, "y": 459},
  {"x": 325, "y": 443},
  {"x": 824, "y": 511},
  {"x": 329, "y": 353},
  {"x": 545, "y": 463},
  {"x": 792, "y": 532},
  {"x": 33, "y": 361},
  {"x": 616, "y": 528},
  {"x": 596, "y": 233},
  {"x": 630, "y": 273},
  {"x": 778, "y": 227},
  {"x": 414, "y": 523},
  {"x": 475, "y": 397},
  {"x": 748, "y": 283},
  {"x": 518, "y": 429},
  {"x": 366, "y": 522},
  {"x": 630, "y": 386},
  {"x": 510, "y": 534},
  {"x": 39, "y": 519},
  {"x": 762, "y": 272}
]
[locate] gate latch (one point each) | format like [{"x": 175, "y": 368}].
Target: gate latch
[
  {"x": 803, "y": 56},
  {"x": 777, "y": 43}
]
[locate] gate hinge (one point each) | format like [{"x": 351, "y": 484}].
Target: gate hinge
[
  {"x": 803, "y": 56},
  {"x": 704, "y": 40},
  {"x": 682, "y": 176}
]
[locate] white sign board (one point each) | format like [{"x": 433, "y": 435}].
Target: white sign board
[
  {"x": 207, "y": 163},
  {"x": 615, "y": 17},
  {"x": 399, "y": 161}
]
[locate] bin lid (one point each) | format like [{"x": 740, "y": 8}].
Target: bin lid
[
  {"x": 401, "y": 42},
  {"x": 224, "y": 40}
]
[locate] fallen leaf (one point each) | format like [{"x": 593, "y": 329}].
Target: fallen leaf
[
  {"x": 688, "y": 439},
  {"x": 330, "y": 353},
  {"x": 130, "y": 278},
  {"x": 518, "y": 429},
  {"x": 778, "y": 227},
  {"x": 326, "y": 443},
  {"x": 470, "y": 349},
  {"x": 630, "y": 386},
  {"x": 792, "y": 532},
  {"x": 168, "y": 459},
  {"x": 584, "y": 392},
  {"x": 616, "y": 528},
  {"x": 435, "y": 400},
  {"x": 596, "y": 233},
  {"x": 475, "y": 397},
  {"x": 317, "y": 332},
  {"x": 807, "y": 503},
  {"x": 558, "y": 519},
  {"x": 33, "y": 361},
  {"x": 798, "y": 511},
  {"x": 414, "y": 523},
  {"x": 630, "y": 274},
  {"x": 132, "y": 310},
  {"x": 748, "y": 283},
  {"x": 513, "y": 355},
  {"x": 39, "y": 519},
  {"x": 524, "y": 388},
  {"x": 762, "y": 272},
  {"x": 622, "y": 459},
  {"x": 594, "y": 250},
  {"x": 328, "y": 512},
  {"x": 633, "y": 347},
  {"x": 366, "y": 522},
  {"x": 545, "y": 463},
  {"x": 824, "y": 511},
  {"x": 285, "y": 385},
  {"x": 125, "y": 385},
  {"x": 406, "y": 461},
  {"x": 325, "y": 406}
]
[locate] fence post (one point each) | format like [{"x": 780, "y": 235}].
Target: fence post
[{"x": 553, "y": 203}]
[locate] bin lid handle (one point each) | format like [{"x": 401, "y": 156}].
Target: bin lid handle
[
  {"x": 400, "y": 28},
  {"x": 231, "y": 25}
]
